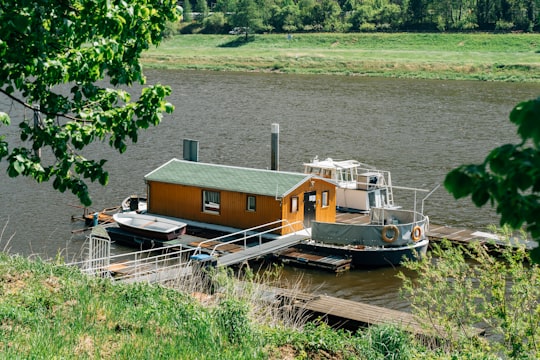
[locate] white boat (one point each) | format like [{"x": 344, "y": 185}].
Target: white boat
[
  {"x": 149, "y": 225},
  {"x": 384, "y": 234},
  {"x": 359, "y": 187}
]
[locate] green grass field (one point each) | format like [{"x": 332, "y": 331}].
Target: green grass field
[{"x": 490, "y": 57}]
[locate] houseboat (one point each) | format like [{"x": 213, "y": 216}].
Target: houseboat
[{"x": 239, "y": 197}]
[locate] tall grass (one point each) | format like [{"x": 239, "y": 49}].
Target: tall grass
[
  {"x": 500, "y": 57},
  {"x": 53, "y": 311}
]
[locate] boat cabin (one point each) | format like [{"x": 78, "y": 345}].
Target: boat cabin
[
  {"x": 359, "y": 186},
  {"x": 239, "y": 197}
]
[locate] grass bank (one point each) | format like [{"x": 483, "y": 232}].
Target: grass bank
[
  {"x": 56, "y": 312},
  {"x": 479, "y": 56}
]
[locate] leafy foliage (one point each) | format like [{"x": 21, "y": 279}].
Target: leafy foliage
[
  {"x": 509, "y": 177},
  {"x": 377, "y": 15},
  {"x": 457, "y": 288},
  {"x": 52, "y": 56}
]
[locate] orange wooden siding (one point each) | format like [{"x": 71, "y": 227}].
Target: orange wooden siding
[{"x": 185, "y": 202}]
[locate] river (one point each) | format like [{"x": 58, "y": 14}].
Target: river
[{"x": 417, "y": 129}]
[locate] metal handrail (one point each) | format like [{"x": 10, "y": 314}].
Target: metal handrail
[
  {"x": 198, "y": 250},
  {"x": 258, "y": 234}
]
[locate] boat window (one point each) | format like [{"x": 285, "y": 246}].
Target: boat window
[
  {"x": 324, "y": 198},
  {"x": 250, "y": 206},
  {"x": 294, "y": 204},
  {"x": 211, "y": 201},
  {"x": 372, "y": 200}
]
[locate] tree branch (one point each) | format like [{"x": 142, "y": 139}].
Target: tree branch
[{"x": 31, "y": 107}]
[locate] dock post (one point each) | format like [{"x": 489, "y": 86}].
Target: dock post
[{"x": 275, "y": 147}]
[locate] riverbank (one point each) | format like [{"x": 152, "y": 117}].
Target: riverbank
[
  {"x": 478, "y": 56},
  {"x": 50, "y": 310}
]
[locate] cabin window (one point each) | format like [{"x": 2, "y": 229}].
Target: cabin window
[
  {"x": 325, "y": 199},
  {"x": 211, "y": 201},
  {"x": 294, "y": 204},
  {"x": 250, "y": 206}
]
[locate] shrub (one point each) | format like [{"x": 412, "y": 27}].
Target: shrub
[
  {"x": 460, "y": 287},
  {"x": 214, "y": 23},
  {"x": 503, "y": 26},
  {"x": 387, "y": 342},
  {"x": 367, "y": 27}
]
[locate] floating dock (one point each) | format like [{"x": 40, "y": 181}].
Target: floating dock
[
  {"x": 361, "y": 314},
  {"x": 465, "y": 236},
  {"x": 304, "y": 258}
]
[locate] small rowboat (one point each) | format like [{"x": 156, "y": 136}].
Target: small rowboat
[{"x": 151, "y": 226}]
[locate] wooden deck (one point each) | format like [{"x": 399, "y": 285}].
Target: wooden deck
[
  {"x": 365, "y": 314},
  {"x": 455, "y": 235},
  {"x": 303, "y": 258}
]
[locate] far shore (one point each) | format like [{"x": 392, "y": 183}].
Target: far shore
[{"x": 456, "y": 56}]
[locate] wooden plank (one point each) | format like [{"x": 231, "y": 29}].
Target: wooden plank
[{"x": 371, "y": 314}]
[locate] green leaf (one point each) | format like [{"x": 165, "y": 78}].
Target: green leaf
[
  {"x": 499, "y": 158},
  {"x": 459, "y": 183},
  {"x": 4, "y": 118},
  {"x": 18, "y": 166},
  {"x": 480, "y": 196},
  {"x": 527, "y": 116}
]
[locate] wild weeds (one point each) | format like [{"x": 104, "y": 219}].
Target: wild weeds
[{"x": 460, "y": 288}]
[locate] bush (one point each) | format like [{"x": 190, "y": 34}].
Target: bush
[
  {"x": 367, "y": 27},
  {"x": 388, "y": 342},
  {"x": 503, "y": 26},
  {"x": 214, "y": 24},
  {"x": 461, "y": 287}
]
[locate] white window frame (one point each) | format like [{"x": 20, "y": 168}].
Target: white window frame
[
  {"x": 294, "y": 204},
  {"x": 211, "y": 201},
  {"x": 325, "y": 196},
  {"x": 251, "y": 203}
]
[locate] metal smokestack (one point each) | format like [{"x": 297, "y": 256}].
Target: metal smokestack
[{"x": 275, "y": 147}]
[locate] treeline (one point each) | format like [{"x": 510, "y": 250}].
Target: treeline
[{"x": 362, "y": 15}]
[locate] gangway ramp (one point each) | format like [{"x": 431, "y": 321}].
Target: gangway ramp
[
  {"x": 243, "y": 245},
  {"x": 270, "y": 247}
]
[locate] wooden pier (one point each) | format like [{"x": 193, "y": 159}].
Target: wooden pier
[
  {"x": 303, "y": 258},
  {"x": 362, "y": 314},
  {"x": 465, "y": 236}
]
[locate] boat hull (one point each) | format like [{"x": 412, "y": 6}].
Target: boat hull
[
  {"x": 150, "y": 226},
  {"x": 372, "y": 256},
  {"x": 130, "y": 239}
]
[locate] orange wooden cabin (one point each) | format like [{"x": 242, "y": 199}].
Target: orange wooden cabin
[{"x": 239, "y": 197}]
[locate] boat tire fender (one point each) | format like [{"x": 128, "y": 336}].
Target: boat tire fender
[
  {"x": 416, "y": 233},
  {"x": 390, "y": 228}
]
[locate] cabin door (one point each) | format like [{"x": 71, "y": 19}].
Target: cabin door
[{"x": 310, "y": 201}]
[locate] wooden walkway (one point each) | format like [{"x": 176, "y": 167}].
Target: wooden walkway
[
  {"x": 437, "y": 233},
  {"x": 365, "y": 314},
  {"x": 231, "y": 253}
]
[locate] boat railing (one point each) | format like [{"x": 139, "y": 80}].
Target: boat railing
[
  {"x": 386, "y": 216},
  {"x": 134, "y": 263},
  {"x": 247, "y": 234}
]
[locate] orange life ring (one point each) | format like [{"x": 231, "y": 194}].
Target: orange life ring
[
  {"x": 416, "y": 233},
  {"x": 395, "y": 233}
]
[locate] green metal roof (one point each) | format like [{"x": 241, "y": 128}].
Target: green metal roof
[{"x": 229, "y": 178}]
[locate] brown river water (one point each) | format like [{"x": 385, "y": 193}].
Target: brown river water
[{"x": 417, "y": 129}]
